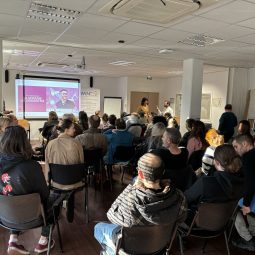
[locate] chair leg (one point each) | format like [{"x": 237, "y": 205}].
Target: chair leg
[
  {"x": 49, "y": 240},
  {"x": 122, "y": 169},
  {"x": 180, "y": 243},
  {"x": 109, "y": 174},
  {"x": 58, "y": 229},
  {"x": 204, "y": 245},
  {"x": 86, "y": 203},
  {"x": 226, "y": 241}
]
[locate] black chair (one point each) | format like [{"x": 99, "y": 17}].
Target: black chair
[
  {"x": 195, "y": 159},
  {"x": 153, "y": 239},
  {"x": 210, "y": 220},
  {"x": 68, "y": 179},
  {"x": 93, "y": 159},
  {"x": 24, "y": 212},
  {"x": 122, "y": 157}
]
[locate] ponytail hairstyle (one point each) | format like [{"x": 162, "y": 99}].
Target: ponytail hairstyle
[{"x": 228, "y": 158}]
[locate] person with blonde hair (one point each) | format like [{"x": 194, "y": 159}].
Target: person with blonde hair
[{"x": 214, "y": 139}]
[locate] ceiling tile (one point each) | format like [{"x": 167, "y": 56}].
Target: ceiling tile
[
  {"x": 135, "y": 28},
  {"x": 248, "y": 23},
  {"x": 233, "y": 12},
  {"x": 15, "y": 7}
]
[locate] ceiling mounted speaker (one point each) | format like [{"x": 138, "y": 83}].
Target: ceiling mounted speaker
[
  {"x": 91, "y": 81},
  {"x": 6, "y": 76}
]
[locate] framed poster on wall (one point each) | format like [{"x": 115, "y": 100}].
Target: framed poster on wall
[{"x": 113, "y": 105}]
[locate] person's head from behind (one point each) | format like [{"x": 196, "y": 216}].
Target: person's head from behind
[
  {"x": 112, "y": 119},
  {"x": 198, "y": 129},
  {"x": 94, "y": 121},
  {"x": 228, "y": 107},
  {"x": 166, "y": 103},
  {"x": 157, "y": 119},
  {"x": 244, "y": 127},
  {"x": 189, "y": 124},
  {"x": 69, "y": 116},
  {"x": 214, "y": 138},
  {"x": 226, "y": 159},
  {"x": 15, "y": 143},
  {"x": 4, "y": 123},
  {"x": 171, "y": 137},
  {"x": 120, "y": 124},
  {"x": 105, "y": 118},
  {"x": 83, "y": 117},
  {"x": 52, "y": 116},
  {"x": 243, "y": 143},
  {"x": 141, "y": 114},
  {"x": 150, "y": 170},
  {"x": 67, "y": 127},
  {"x": 14, "y": 120},
  {"x": 144, "y": 101},
  {"x": 158, "y": 129},
  {"x": 168, "y": 115}
]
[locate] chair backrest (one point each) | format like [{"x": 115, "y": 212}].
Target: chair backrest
[
  {"x": 215, "y": 216},
  {"x": 21, "y": 212},
  {"x": 92, "y": 156},
  {"x": 124, "y": 153},
  {"x": 146, "y": 239},
  {"x": 66, "y": 174}
]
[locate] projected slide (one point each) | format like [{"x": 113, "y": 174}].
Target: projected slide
[{"x": 37, "y": 96}]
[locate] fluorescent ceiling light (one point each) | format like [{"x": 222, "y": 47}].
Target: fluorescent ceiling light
[
  {"x": 22, "y": 52},
  {"x": 52, "y": 13},
  {"x": 122, "y": 63},
  {"x": 175, "y": 72},
  {"x": 201, "y": 40}
]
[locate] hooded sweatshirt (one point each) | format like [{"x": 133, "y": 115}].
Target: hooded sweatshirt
[
  {"x": 220, "y": 187},
  {"x": 142, "y": 206},
  {"x": 19, "y": 176}
]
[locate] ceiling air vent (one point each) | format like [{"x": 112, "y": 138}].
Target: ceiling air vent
[{"x": 159, "y": 11}]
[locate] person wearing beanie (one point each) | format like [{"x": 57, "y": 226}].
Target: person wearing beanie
[{"x": 149, "y": 201}]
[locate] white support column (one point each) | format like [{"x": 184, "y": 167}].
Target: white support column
[
  {"x": 1, "y": 75},
  {"x": 191, "y": 90}
]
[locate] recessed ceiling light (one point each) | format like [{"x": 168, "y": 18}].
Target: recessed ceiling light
[
  {"x": 201, "y": 40},
  {"x": 122, "y": 63},
  {"x": 51, "y": 13},
  {"x": 175, "y": 72},
  {"x": 23, "y": 52},
  {"x": 166, "y": 51}
]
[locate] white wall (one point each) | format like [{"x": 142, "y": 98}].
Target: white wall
[{"x": 215, "y": 83}]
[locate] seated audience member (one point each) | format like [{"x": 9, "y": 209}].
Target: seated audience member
[
  {"x": 155, "y": 140},
  {"x": 244, "y": 146},
  {"x": 170, "y": 120},
  {"x": 149, "y": 201},
  {"x": 117, "y": 137},
  {"x": 155, "y": 120},
  {"x": 214, "y": 139},
  {"x": 4, "y": 123},
  {"x": 197, "y": 137},
  {"x": 77, "y": 127},
  {"x": 14, "y": 120},
  {"x": 93, "y": 138},
  {"x": 65, "y": 150},
  {"x": 112, "y": 119},
  {"x": 83, "y": 121},
  {"x": 244, "y": 128},
  {"x": 174, "y": 157},
  {"x": 142, "y": 119},
  {"x": 185, "y": 138},
  {"x": 52, "y": 120},
  {"x": 20, "y": 176},
  {"x": 104, "y": 122},
  {"x": 224, "y": 185}
]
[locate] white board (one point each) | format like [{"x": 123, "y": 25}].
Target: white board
[
  {"x": 90, "y": 101},
  {"x": 251, "y": 108},
  {"x": 113, "y": 105}
]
